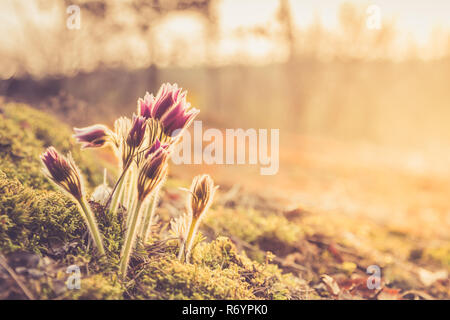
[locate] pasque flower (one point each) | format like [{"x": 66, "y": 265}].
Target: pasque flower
[
  {"x": 154, "y": 139},
  {"x": 168, "y": 95},
  {"x": 150, "y": 176},
  {"x": 169, "y": 106},
  {"x": 143, "y": 145},
  {"x": 137, "y": 132},
  {"x": 95, "y": 136},
  {"x": 66, "y": 175},
  {"x": 179, "y": 117},
  {"x": 154, "y": 151},
  {"x": 63, "y": 172},
  {"x": 152, "y": 172},
  {"x": 200, "y": 197},
  {"x": 128, "y": 138},
  {"x": 155, "y": 148}
]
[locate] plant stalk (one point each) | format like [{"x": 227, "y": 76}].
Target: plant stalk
[
  {"x": 116, "y": 192},
  {"x": 129, "y": 240},
  {"x": 131, "y": 211},
  {"x": 92, "y": 225},
  {"x": 129, "y": 188},
  {"x": 148, "y": 218},
  {"x": 190, "y": 238},
  {"x": 181, "y": 252}
]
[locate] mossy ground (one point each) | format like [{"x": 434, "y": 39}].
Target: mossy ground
[
  {"x": 25, "y": 133},
  {"x": 39, "y": 222},
  {"x": 245, "y": 252}
]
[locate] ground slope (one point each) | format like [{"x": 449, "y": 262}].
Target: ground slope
[{"x": 254, "y": 245}]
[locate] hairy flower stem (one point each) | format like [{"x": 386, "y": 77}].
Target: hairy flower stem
[
  {"x": 116, "y": 192},
  {"x": 130, "y": 188},
  {"x": 130, "y": 212},
  {"x": 92, "y": 225},
  {"x": 145, "y": 209},
  {"x": 190, "y": 238},
  {"x": 127, "y": 189},
  {"x": 181, "y": 252},
  {"x": 148, "y": 216},
  {"x": 129, "y": 240}
]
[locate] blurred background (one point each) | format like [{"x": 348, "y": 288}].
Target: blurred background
[
  {"x": 305, "y": 66},
  {"x": 350, "y": 96}
]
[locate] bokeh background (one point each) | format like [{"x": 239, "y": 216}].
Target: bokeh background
[
  {"x": 357, "y": 108},
  {"x": 305, "y": 66}
]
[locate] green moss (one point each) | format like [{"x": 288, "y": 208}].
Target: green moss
[
  {"x": 24, "y": 135},
  {"x": 269, "y": 232},
  {"x": 34, "y": 220},
  {"x": 265, "y": 280},
  {"x": 44, "y": 221},
  {"x": 35, "y": 217},
  {"x": 217, "y": 272},
  {"x": 97, "y": 287},
  {"x": 112, "y": 230}
]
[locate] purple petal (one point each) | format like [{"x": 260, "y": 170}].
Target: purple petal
[
  {"x": 137, "y": 131},
  {"x": 145, "y": 105},
  {"x": 167, "y": 96},
  {"x": 180, "y": 121},
  {"x": 93, "y": 136}
]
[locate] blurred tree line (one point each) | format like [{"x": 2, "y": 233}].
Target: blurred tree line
[{"x": 343, "y": 82}]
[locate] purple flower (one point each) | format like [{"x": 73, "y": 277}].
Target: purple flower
[
  {"x": 178, "y": 118},
  {"x": 201, "y": 195},
  {"x": 156, "y": 148},
  {"x": 168, "y": 95},
  {"x": 137, "y": 131},
  {"x": 170, "y": 107},
  {"x": 66, "y": 175},
  {"x": 92, "y": 137},
  {"x": 152, "y": 173},
  {"x": 145, "y": 106},
  {"x": 63, "y": 172}
]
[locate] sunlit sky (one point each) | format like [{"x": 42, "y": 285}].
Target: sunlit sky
[
  {"x": 416, "y": 17},
  {"x": 421, "y": 27},
  {"x": 414, "y": 22}
]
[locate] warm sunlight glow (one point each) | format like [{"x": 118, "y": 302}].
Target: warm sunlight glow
[{"x": 243, "y": 150}]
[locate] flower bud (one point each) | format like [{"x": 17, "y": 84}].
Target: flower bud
[
  {"x": 201, "y": 195},
  {"x": 137, "y": 132},
  {"x": 94, "y": 136},
  {"x": 152, "y": 173},
  {"x": 63, "y": 172}
]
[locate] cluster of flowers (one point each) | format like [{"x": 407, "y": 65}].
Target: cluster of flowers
[{"x": 143, "y": 146}]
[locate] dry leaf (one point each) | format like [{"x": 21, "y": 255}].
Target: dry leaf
[{"x": 331, "y": 284}]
